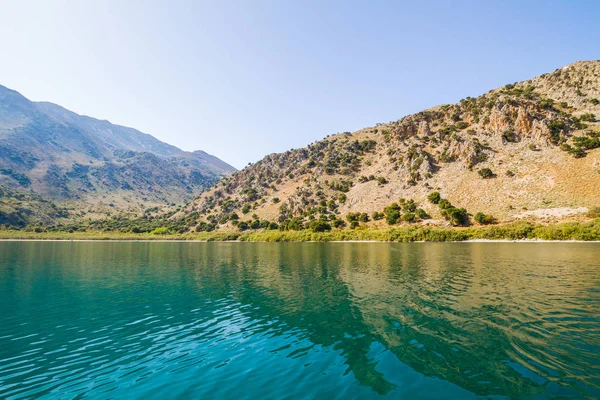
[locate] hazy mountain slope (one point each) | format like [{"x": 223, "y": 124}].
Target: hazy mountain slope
[
  {"x": 65, "y": 157},
  {"x": 538, "y": 138}
]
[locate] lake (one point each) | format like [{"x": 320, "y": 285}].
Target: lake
[{"x": 299, "y": 320}]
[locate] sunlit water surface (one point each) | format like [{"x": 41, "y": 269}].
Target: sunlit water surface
[{"x": 307, "y": 320}]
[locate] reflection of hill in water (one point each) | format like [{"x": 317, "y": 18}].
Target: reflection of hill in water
[
  {"x": 459, "y": 313},
  {"x": 475, "y": 315}
]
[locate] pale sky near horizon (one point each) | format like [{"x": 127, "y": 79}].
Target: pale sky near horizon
[{"x": 242, "y": 79}]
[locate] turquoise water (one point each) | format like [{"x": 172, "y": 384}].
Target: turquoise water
[{"x": 306, "y": 320}]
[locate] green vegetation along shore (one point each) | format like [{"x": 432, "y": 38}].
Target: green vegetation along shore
[{"x": 588, "y": 231}]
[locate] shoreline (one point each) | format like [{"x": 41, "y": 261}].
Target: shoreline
[
  {"x": 525, "y": 232},
  {"x": 116, "y": 240}
]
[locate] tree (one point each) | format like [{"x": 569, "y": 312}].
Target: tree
[
  {"x": 296, "y": 224},
  {"x": 392, "y": 213},
  {"x": 319, "y": 226},
  {"x": 456, "y": 216}
]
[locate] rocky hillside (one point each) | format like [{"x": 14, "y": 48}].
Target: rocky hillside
[
  {"x": 92, "y": 165},
  {"x": 527, "y": 150}
]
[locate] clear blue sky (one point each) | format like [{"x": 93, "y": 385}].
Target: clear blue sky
[{"x": 242, "y": 79}]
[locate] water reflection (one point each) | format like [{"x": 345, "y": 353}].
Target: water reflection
[{"x": 300, "y": 320}]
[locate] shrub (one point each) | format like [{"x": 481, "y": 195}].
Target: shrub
[
  {"x": 510, "y": 173},
  {"x": 364, "y": 217},
  {"x": 382, "y": 180},
  {"x": 255, "y": 224},
  {"x": 556, "y": 127},
  {"x": 434, "y": 197},
  {"x": 510, "y": 136},
  {"x": 483, "y": 219},
  {"x": 275, "y": 200},
  {"x": 161, "y": 231},
  {"x": 409, "y": 217},
  {"x": 594, "y": 212},
  {"x": 595, "y": 101},
  {"x": 204, "y": 227},
  {"x": 588, "y": 117},
  {"x": 350, "y": 217},
  {"x": 533, "y": 147},
  {"x": 409, "y": 206},
  {"x": 377, "y": 216},
  {"x": 586, "y": 142},
  {"x": 444, "y": 204},
  {"x": 577, "y": 152},
  {"x": 485, "y": 173},
  {"x": 547, "y": 103},
  {"x": 246, "y": 209},
  {"x": 354, "y": 224},
  {"x": 422, "y": 214},
  {"x": 338, "y": 223}
]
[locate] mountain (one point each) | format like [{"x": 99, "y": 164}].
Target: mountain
[
  {"x": 528, "y": 150},
  {"x": 90, "y": 165}
]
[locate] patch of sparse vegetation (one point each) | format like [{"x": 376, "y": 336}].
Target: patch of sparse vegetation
[{"x": 485, "y": 173}]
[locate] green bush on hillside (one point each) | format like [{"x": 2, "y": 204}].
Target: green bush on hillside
[
  {"x": 319, "y": 226},
  {"x": 484, "y": 219},
  {"x": 434, "y": 197},
  {"x": 392, "y": 213},
  {"x": 456, "y": 216},
  {"x": 485, "y": 173},
  {"x": 444, "y": 204}
]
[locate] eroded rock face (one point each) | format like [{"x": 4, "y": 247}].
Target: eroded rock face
[
  {"x": 423, "y": 129},
  {"x": 501, "y": 119}
]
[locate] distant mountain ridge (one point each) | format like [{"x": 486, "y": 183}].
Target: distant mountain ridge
[{"x": 62, "y": 156}]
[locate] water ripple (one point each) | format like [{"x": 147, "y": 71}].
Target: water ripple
[{"x": 164, "y": 320}]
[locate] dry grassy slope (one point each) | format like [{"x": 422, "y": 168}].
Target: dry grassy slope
[{"x": 506, "y": 129}]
